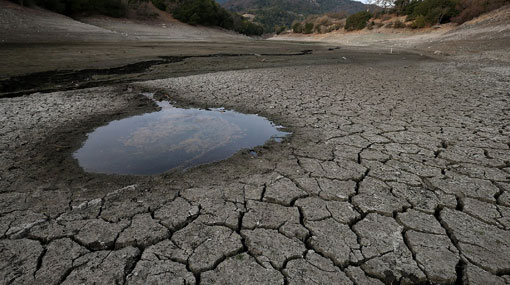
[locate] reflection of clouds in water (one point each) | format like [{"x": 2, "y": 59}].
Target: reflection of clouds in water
[
  {"x": 171, "y": 138},
  {"x": 187, "y": 131}
]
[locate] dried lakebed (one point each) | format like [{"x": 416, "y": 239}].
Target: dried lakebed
[{"x": 397, "y": 171}]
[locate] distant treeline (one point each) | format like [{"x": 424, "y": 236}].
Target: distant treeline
[
  {"x": 431, "y": 12},
  {"x": 210, "y": 13},
  {"x": 418, "y": 14},
  {"x": 114, "y": 8},
  {"x": 194, "y": 12}
]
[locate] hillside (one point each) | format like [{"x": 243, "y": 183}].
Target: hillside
[
  {"x": 23, "y": 24},
  {"x": 488, "y": 36},
  {"x": 277, "y": 13},
  {"x": 297, "y": 6}
]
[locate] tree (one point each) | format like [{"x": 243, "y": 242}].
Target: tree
[{"x": 357, "y": 21}]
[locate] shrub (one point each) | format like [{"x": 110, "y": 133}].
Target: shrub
[
  {"x": 203, "y": 12},
  {"x": 397, "y": 24},
  {"x": 470, "y": 9},
  {"x": 419, "y": 23},
  {"x": 297, "y": 28},
  {"x": 114, "y": 8},
  {"x": 160, "y": 4},
  {"x": 308, "y": 29},
  {"x": 357, "y": 21},
  {"x": 334, "y": 27},
  {"x": 244, "y": 26},
  {"x": 324, "y": 21},
  {"x": 279, "y": 29},
  {"x": 435, "y": 11},
  {"x": 323, "y": 29}
]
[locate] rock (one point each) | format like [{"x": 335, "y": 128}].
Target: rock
[
  {"x": 217, "y": 206},
  {"x": 421, "y": 198},
  {"x": 273, "y": 245},
  {"x": 372, "y": 154},
  {"x": 309, "y": 184},
  {"x": 103, "y": 267},
  {"x": 386, "y": 172},
  {"x": 241, "y": 269},
  {"x": 359, "y": 277},
  {"x": 420, "y": 221},
  {"x": 18, "y": 260},
  {"x": 484, "y": 245},
  {"x": 58, "y": 259},
  {"x": 206, "y": 245},
  {"x": 84, "y": 210},
  {"x": 374, "y": 196},
  {"x": 343, "y": 170},
  {"x": 98, "y": 234},
  {"x": 331, "y": 189},
  {"x": 160, "y": 272},
  {"x": 176, "y": 214},
  {"x": 466, "y": 186},
  {"x": 382, "y": 243},
  {"x": 504, "y": 199},
  {"x": 314, "y": 209},
  {"x": 487, "y": 212},
  {"x": 165, "y": 250},
  {"x": 435, "y": 254},
  {"x": 314, "y": 269},
  {"x": 122, "y": 204},
  {"x": 142, "y": 232},
  {"x": 283, "y": 192},
  {"x": 253, "y": 192},
  {"x": 230, "y": 193},
  {"x": 475, "y": 275},
  {"x": 158, "y": 266},
  {"x": 273, "y": 216},
  {"x": 18, "y": 223},
  {"x": 342, "y": 248},
  {"x": 55, "y": 229},
  {"x": 220, "y": 212}
]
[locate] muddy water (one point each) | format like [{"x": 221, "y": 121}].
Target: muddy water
[{"x": 172, "y": 138}]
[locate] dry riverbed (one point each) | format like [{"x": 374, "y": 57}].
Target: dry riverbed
[{"x": 398, "y": 171}]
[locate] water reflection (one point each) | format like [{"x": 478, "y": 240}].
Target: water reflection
[{"x": 172, "y": 138}]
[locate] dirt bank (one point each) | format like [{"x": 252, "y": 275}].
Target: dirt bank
[{"x": 32, "y": 25}]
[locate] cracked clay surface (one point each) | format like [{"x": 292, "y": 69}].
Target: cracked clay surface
[{"x": 397, "y": 172}]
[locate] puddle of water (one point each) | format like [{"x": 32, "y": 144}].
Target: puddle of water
[{"x": 171, "y": 138}]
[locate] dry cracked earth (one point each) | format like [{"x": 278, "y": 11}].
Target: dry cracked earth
[{"x": 397, "y": 172}]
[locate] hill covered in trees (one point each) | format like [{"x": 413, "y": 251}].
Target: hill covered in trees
[
  {"x": 274, "y": 14},
  {"x": 194, "y": 12}
]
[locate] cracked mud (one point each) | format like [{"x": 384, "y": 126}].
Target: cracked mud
[{"x": 398, "y": 171}]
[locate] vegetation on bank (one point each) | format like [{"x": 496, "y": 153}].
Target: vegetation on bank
[
  {"x": 320, "y": 24},
  {"x": 210, "y": 13},
  {"x": 113, "y": 8},
  {"x": 194, "y": 12},
  {"x": 272, "y": 15},
  {"x": 357, "y": 21},
  {"x": 406, "y": 14}
]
